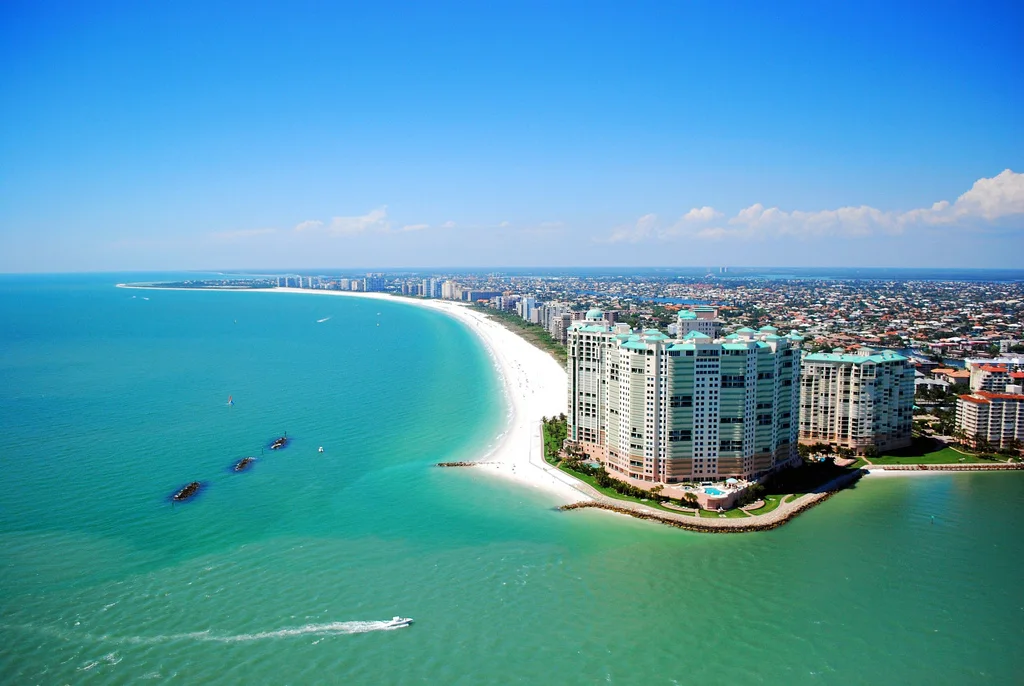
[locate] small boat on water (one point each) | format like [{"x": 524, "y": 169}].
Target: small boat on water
[
  {"x": 243, "y": 463},
  {"x": 279, "y": 443},
  {"x": 399, "y": 622},
  {"x": 187, "y": 492}
]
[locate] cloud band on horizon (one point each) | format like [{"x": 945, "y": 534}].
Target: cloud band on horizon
[{"x": 987, "y": 202}]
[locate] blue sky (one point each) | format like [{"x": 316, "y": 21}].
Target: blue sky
[{"x": 203, "y": 136}]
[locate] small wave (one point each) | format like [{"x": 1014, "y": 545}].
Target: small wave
[{"x": 321, "y": 321}]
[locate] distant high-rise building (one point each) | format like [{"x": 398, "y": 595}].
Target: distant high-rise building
[
  {"x": 857, "y": 401},
  {"x": 560, "y": 327},
  {"x": 525, "y": 307},
  {"x": 475, "y": 296}
]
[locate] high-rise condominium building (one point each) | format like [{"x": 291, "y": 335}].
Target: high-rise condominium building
[
  {"x": 857, "y": 401},
  {"x": 670, "y": 410}
]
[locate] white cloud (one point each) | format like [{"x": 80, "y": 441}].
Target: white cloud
[
  {"x": 504, "y": 224},
  {"x": 701, "y": 214},
  {"x": 1000, "y": 196},
  {"x": 989, "y": 200},
  {"x": 643, "y": 229},
  {"x": 448, "y": 225},
  {"x": 374, "y": 220},
  {"x": 415, "y": 227}
]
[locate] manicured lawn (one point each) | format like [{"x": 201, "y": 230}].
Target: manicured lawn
[
  {"x": 791, "y": 498},
  {"x": 770, "y": 503},
  {"x": 729, "y": 514},
  {"x": 929, "y": 451},
  {"x": 611, "y": 493}
]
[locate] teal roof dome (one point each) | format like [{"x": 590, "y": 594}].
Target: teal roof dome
[
  {"x": 595, "y": 314},
  {"x": 687, "y": 314}
]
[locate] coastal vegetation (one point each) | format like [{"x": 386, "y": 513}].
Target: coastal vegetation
[
  {"x": 533, "y": 333},
  {"x": 554, "y": 437},
  {"x": 596, "y": 476},
  {"x": 808, "y": 477},
  {"x": 585, "y": 474},
  {"x": 926, "y": 450}
]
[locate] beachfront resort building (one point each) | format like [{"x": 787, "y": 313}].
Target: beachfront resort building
[
  {"x": 863, "y": 402},
  {"x": 692, "y": 408},
  {"x": 993, "y": 420}
]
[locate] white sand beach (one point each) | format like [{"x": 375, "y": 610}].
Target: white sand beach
[{"x": 535, "y": 387}]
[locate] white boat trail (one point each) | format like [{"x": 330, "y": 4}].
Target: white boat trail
[{"x": 323, "y": 630}]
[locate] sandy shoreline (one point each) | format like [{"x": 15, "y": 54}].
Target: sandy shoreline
[{"x": 535, "y": 386}]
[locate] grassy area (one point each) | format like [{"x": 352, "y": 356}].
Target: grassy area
[
  {"x": 770, "y": 503},
  {"x": 612, "y": 493},
  {"x": 929, "y": 451},
  {"x": 533, "y": 333},
  {"x": 791, "y": 498},
  {"x": 729, "y": 514}
]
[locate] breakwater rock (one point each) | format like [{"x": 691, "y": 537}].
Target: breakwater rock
[{"x": 774, "y": 519}]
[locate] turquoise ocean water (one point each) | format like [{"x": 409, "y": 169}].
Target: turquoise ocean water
[{"x": 109, "y": 402}]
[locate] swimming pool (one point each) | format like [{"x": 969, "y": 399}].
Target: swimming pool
[{"x": 710, "y": 490}]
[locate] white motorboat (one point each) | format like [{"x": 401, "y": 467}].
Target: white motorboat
[{"x": 399, "y": 622}]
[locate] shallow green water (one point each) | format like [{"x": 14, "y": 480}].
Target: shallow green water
[{"x": 108, "y": 403}]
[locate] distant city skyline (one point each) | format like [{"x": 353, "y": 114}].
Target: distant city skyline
[{"x": 198, "y": 136}]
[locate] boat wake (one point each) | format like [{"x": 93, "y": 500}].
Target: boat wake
[
  {"x": 327, "y": 629},
  {"x": 321, "y": 321},
  {"x": 322, "y": 630}
]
